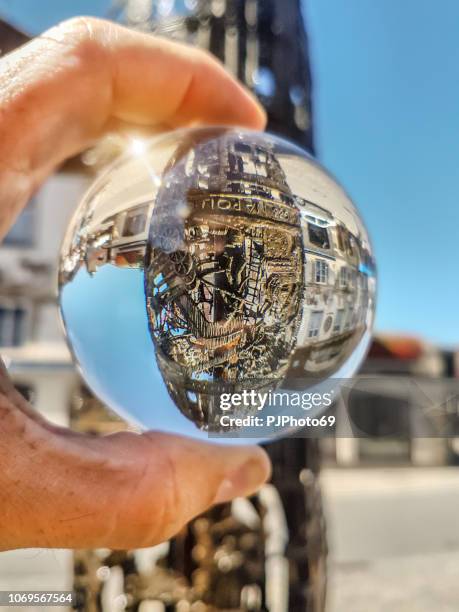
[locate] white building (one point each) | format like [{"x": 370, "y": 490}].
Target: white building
[{"x": 28, "y": 262}]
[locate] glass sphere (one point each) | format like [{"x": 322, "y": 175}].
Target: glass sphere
[{"x": 210, "y": 262}]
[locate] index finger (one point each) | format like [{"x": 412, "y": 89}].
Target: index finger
[
  {"x": 60, "y": 91},
  {"x": 155, "y": 80}
]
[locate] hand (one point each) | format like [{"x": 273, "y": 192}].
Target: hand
[{"x": 59, "y": 488}]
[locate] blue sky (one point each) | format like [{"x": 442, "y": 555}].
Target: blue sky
[
  {"x": 387, "y": 102},
  {"x": 387, "y": 121}
]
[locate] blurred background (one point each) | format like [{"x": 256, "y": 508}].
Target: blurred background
[{"x": 382, "y": 107}]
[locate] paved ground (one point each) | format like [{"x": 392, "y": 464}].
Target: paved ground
[
  {"x": 35, "y": 570},
  {"x": 428, "y": 583},
  {"x": 394, "y": 537},
  {"x": 378, "y": 513}
]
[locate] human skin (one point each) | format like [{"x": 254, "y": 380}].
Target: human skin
[{"x": 58, "y": 95}]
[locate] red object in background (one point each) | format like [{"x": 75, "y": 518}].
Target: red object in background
[{"x": 404, "y": 348}]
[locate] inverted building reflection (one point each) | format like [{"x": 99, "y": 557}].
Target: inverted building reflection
[
  {"x": 225, "y": 302},
  {"x": 247, "y": 284}
]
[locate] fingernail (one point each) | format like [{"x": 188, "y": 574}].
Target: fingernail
[{"x": 244, "y": 481}]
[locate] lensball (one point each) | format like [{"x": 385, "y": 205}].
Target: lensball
[{"x": 210, "y": 272}]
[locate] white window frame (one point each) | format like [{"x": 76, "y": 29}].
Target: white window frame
[
  {"x": 321, "y": 272},
  {"x": 13, "y": 323},
  {"x": 339, "y": 320},
  {"x": 345, "y": 277},
  {"x": 315, "y": 323}
]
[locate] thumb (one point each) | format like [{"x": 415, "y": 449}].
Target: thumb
[
  {"x": 62, "y": 489},
  {"x": 120, "y": 491},
  {"x": 181, "y": 478}
]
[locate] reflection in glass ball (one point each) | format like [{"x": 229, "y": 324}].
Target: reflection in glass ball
[{"x": 211, "y": 262}]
